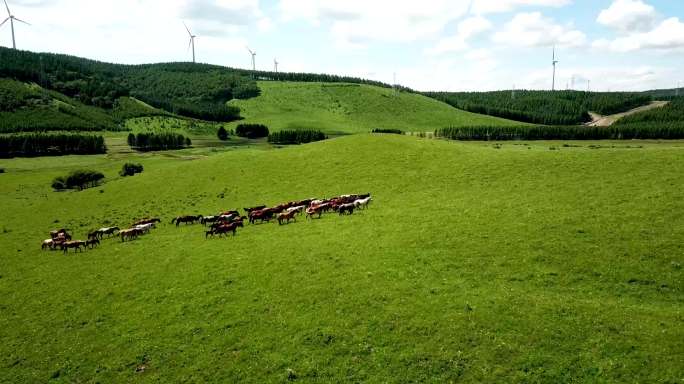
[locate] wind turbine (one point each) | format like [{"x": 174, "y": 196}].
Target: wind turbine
[
  {"x": 192, "y": 41},
  {"x": 253, "y": 59},
  {"x": 11, "y": 19},
  {"x": 554, "y": 62},
  {"x": 275, "y": 64}
]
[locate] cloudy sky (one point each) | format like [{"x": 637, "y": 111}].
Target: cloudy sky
[{"x": 429, "y": 44}]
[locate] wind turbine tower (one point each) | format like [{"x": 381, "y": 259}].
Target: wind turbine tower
[
  {"x": 554, "y": 62},
  {"x": 253, "y": 58},
  {"x": 275, "y": 65},
  {"x": 11, "y": 19},
  {"x": 192, "y": 42}
]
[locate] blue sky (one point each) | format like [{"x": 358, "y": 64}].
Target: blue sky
[{"x": 430, "y": 44}]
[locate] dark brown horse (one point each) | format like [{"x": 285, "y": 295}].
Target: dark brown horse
[
  {"x": 92, "y": 243},
  {"x": 253, "y": 209},
  {"x": 153, "y": 220},
  {"x": 263, "y": 215},
  {"x": 187, "y": 219},
  {"x": 77, "y": 245},
  {"x": 224, "y": 230},
  {"x": 346, "y": 209}
]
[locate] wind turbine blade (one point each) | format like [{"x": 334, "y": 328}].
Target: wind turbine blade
[
  {"x": 3, "y": 23},
  {"x": 187, "y": 29},
  {"x": 21, "y": 21},
  {"x": 190, "y": 43},
  {"x": 7, "y": 6}
]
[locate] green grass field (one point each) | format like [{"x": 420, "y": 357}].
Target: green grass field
[
  {"x": 351, "y": 108},
  {"x": 475, "y": 263}
]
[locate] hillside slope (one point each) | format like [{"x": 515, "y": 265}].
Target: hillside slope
[
  {"x": 473, "y": 264},
  {"x": 351, "y": 108}
]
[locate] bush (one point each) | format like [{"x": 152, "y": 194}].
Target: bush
[
  {"x": 130, "y": 169},
  {"x": 50, "y": 144},
  {"x": 2, "y": 170},
  {"x": 222, "y": 134},
  {"x": 80, "y": 180},
  {"x": 391, "y": 131},
  {"x": 296, "y": 136},
  {"x": 131, "y": 140},
  {"x": 251, "y": 131}
]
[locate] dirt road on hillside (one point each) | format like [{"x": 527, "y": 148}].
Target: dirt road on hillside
[{"x": 607, "y": 121}]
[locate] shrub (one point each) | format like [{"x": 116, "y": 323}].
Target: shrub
[
  {"x": 2, "y": 170},
  {"x": 131, "y": 140},
  {"x": 222, "y": 134},
  {"x": 251, "y": 131},
  {"x": 80, "y": 180},
  {"x": 130, "y": 169},
  {"x": 296, "y": 136},
  {"x": 391, "y": 131}
]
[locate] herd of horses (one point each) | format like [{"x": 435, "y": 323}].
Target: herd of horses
[{"x": 221, "y": 224}]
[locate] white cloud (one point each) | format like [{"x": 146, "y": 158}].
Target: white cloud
[
  {"x": 668, "y": 35},
  {"x": 498, "y": 6},
  {"x": 466, "y": 29},
  {"x": 356, "y": 23},
  {"x": 535, "y": 30},
  {"x": 628, "y": 15}
]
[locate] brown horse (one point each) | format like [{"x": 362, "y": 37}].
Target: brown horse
[
  {"x": 287, "y": 216},
  {"x": 130, "y": 234},
  {"x": 346, "y": 208},
  {"x": 50, "y": 244},
  {"x": 77, "y": 245},
  {"x": 310, "y": 212},
  {"x": 147, "y": 221},
  {"x": 60, "y": 234}
]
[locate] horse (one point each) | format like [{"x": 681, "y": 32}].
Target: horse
[
  {"x": 224, "y": 230},
  {"x": 362, "y": 203},
  {"x": 147, "y": 221},
  {"x": 130, "y": 234},
  {"x": 49, "y": 243},
  {"x": 297, "y": 209},
  {"x": 365, "y": 196},
  {"x": 144, "y": 228},
  {"x": 253, "y": 209},
  {"x": 108, "y": 231},
  {"x": 76, "y": 245},
  {"x": 346, "y": 208},
  {"x": 287, "y": 217},
  {"x": 186, "y": 219},
  {"x": 60, "y": 234},
  {"x": 92, "y": 243},
  {"x": 209, "y": 219},
  {"x": 263, "y": 215},
  {"x": 94, "y": 235},
  {"x": 310, "y": 212},
  {"x": 236, "y": 213}
]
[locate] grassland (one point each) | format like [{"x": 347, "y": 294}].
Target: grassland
[
  {"x": 475, "y": 263},
  {"x": 351, "y": 108}
]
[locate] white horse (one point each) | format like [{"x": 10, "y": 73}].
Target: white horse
[
  {"x": 362, "y": 203},
  {"x": 145, "y": 228},
  {"x": 299, "y": 210}
]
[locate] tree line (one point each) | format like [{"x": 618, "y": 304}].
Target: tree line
[
  {"x": 543, "y": 107},
  {"x": 50, "y": 144},
  {"x": 296, "y": 136},
  {"x": 158, "y": 141},
  {"x": 637, "y": 131},
  {"x": 671, "y": 113}
]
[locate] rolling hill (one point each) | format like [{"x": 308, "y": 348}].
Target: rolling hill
[
  {"x": 352, "y": 108},
  {"x": 475, "y": 263}
]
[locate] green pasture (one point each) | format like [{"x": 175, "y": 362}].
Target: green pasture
[
  {"x": 351, "y": 108},
  {"x": 542, "y": 262}
]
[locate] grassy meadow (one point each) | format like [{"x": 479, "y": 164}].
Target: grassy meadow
[
  {"x": 476, "y": 262},
  {"x": 351, "y": 108}
]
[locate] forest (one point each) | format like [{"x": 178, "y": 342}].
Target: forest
[
  {"x": 673, "y": 112},
  {"x": 543, "y": 107}
]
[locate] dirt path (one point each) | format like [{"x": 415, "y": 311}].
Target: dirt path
[{"x": 607, "y": 121}]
